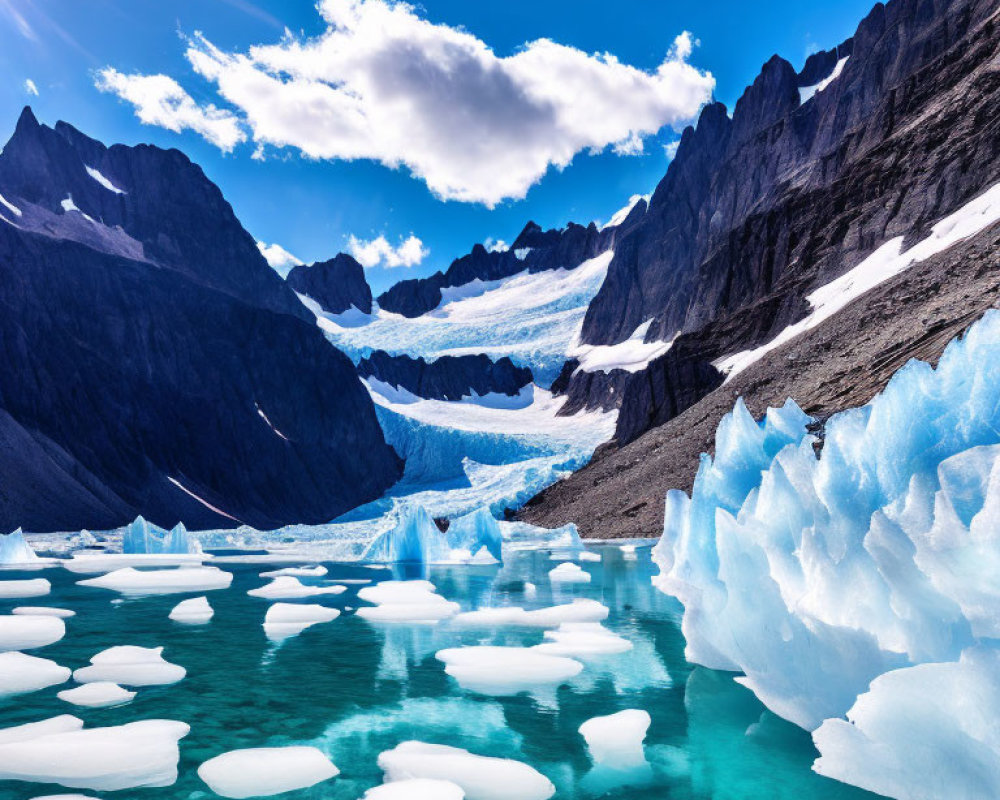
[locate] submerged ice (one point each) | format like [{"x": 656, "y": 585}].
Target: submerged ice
[{"x": 833, "y": 582}]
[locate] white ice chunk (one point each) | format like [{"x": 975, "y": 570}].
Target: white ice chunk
[
  {"x": 569, "y": 572},
  {"x": 97, "y": 176},
  {"x": 288, "y": 619},
  {"x": 129, "y": 581},
  {"x": 405, "y": 601},
  {"x": 582, "y": 640},
  {"x": 33, "y": 587},
  {"x": 131, "y": 666},
  {"x": 21, "y": 673},
  {"x": 34, "y": 730},
  {"x": 195, "y": 611},
  {"x": 502, "y": 671},
  {"x": 416, "y": 789},
  {"x": 263, "y": 771},
  {"x": 286, "y": 587},
  {"x": 616, "y": 740},
  {"x": 95, "y": 563},
  {"x": 580, "y": 610},
  {"x": 43, "y": 611},
  {"x": 138, "y": 754},
  {"x": 99, "y": 694},
  {"x": 480, "y": 777},
  {"x": 317, "y": 571},
  {"x": 23, "y": 632},
  {"x": 588, "y": 555}
]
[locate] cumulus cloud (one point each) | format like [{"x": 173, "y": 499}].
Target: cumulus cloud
[
  {"x": 383, "y": 83},
  {"x": 378, "y": 252},
  {"x": 495, "y": 245},
  {"x": 160, "y": 100},
  {"x": 30, "y": 88},
  {"x": 278, "y": 257}
]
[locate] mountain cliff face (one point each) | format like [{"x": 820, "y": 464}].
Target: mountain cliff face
[
  {"x": 534, "y": 250},
  {"x": 447, "y": 377},
  {"x": 337, "y": 284},
  {"x": 153, "y": 363},
  {"x": 877, "y": 139}
]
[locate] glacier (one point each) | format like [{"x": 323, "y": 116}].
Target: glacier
[
  {"x": 140, "y": 536},
  {"x": 855, "y": 590}
]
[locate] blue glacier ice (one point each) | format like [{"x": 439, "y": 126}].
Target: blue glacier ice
[
  {"x": 416, "y": 538},
  {"x": 14, "y": 549},
  {"x": 474, "y": 531},
  {"x": 140, "y": 536},
  {"x": 833, "y": 582}
]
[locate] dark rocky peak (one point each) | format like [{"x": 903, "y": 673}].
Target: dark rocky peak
[
  {"x": 140, "y": 202},
  {"x": 448, "y": 377},
  {"x": 770, "y": 97},
  {"x": 533, "y": 236},
  {"x": 336, "y": 284}
]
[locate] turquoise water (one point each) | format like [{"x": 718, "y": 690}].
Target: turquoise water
[{"x": 355, "y": 689}]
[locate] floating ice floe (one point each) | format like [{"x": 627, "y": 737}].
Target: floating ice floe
[
  {"x": 60, "y": 750},
  {"x": 286, "y": 588},
  {"x": 416, "y": 789},
  {"x": 480, "y": 777},
  {"x": 143, "y": 537},
  {"x": 582, "y": 640},
  {"x": 44, "y": 611},
  {"x": 616, "y": 740},
  {"x": 195, "y": 611},
  {"x": 264, "y": 771},
  {"x": 97, "y": 563},
  {"x": 24, "y": 632},
  {"x": 130, "y": 581},
  {"x": 580, "y": 610},
  {"x": 64, "y": 797},
  {"x": 857, "y": 591},
  {"x": 503, "y": 671},
  {"x": 99, "y": 694},
  {"x": 289, "y": 619},
  {"x": 569, "y": 572},
  {"x": 405, "y": 601},
  {"x": 15, "y": 550},
  {"x": 21, "y": 673},
  {"x": 317, "y": 571},
  {"x": 33, "y": 587},
  {"x": 131, "y": 666}
]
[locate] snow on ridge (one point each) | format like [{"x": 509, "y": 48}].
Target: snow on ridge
[
  {"x": 68, "y": 205},
  {"x": 203, "y": 501},
  {"x": 631, "y": 355},
  {"x": 270, "y": 424},
  {"x": 101, "y": 179},
  {"x": 886, "y": 262},
  {"x": 622, "y": 213},
  {"x": 7, "y": 204},
  {"x": 806, "y": 93}
]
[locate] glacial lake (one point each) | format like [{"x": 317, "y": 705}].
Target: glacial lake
[{"x": 355, "y": 688}]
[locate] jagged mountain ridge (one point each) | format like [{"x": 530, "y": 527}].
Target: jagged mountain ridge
[
  {"x": 337, "y": 284},
  {"x": 153, "y": 362},
  {"x": 448, "y": 377}
]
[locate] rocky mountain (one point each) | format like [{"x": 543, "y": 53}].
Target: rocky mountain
[
  {"x": 153, "y": 363},
  {"x": 337, "y": 284},
  {"x": 866, "y": 149},
  {"x": 534, "y": 250},
  {"x": 447, "y": 377}
]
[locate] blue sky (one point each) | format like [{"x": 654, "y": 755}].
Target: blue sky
[{"x": 480, "y": 142}]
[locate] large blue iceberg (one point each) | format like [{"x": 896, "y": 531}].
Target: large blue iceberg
[
  {"x": 14, "y": 549},
  {"x": 834, "y": 582},
  {"x": 140, "y": 536},
  {"x": 416, "y": 538}
]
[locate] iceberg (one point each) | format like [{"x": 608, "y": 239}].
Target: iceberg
[
  {"x": 143, "y": 537},
  {"x": 14, "y": 549},
  {"x": 263, "y": 771},
  {"x": 286, "y": 587},
  {"x": 847, "y": 585},
  {"x": 133, "y": 582},
  {"x": 415, "y": 538},
  {"x": 568, "y": 572},
  {"x": 616, "y": 740},
  {"x": 480, "y": 777},
  {"x": 416, "y": 789},
  {"x": 195, "y": 611},
  {"x": 405, "y": 601},
  {"x": 504, "y": 671},
  {"x": 33, "y": 587},
  {"x": 475, "y": 531},
  {"x": 289, "y": 619},
  {"x": 138, "y": 754}
]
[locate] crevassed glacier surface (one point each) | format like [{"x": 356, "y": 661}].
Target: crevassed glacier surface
[{"x": 834, "y": 583}]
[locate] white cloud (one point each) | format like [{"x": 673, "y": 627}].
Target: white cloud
[
  {"x": 495, "y": 245},
  {"x": 385, "y": 84},
  {"x": 378, "y": 251},
  {"x": 278, "y": 257},
  {"x": 160, "y": 100},
  {"x": 30, "y": 88}
]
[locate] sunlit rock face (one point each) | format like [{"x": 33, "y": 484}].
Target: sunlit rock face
[{"x": 827, "y": 580}]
